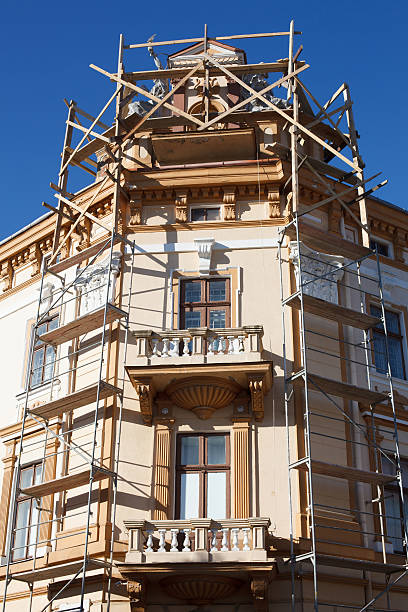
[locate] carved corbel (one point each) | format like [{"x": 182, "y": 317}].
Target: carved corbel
[
  {"x": 204, "y": 249},
  {"x": 6, "y": 275},
  {"x": 35, "y": 258},
  {"x": 136, "y": 590},
  {"x": 230, "y": 201},
  {"x": 259, "y": 592},
  {"x": 400, "y": 241},
  {"x": 274, "y": 201},
  {"x": 145, "y": 393},
  {"x": 135, "y": 206},
  {"x": 256, "y": 386},
  {"x": 181, "y": 202}
]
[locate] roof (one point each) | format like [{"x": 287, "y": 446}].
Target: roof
[{"x": 26, "y": 227}]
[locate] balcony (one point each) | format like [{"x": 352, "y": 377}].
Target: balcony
[
  {"x": 197, "y": 541},
  {"x": 197, "y": 562},
  {"x": 201, "y": 370}
]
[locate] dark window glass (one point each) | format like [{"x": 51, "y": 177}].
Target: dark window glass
[
  {"x": 192, "y": 291},
  {"x": 395, "y": 345},
  {"x": 27, "y": 514},
  {"x": 205, "y": 214},
  {"x": 381, "y": 248}
]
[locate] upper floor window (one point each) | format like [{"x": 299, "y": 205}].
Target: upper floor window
[
  {"x": 382, "y": 248},
  {"x": 44, "y": 355},
  {"x": 205, "y": 302},
  {"x": 203, "y": 476},
  {"x": 394, "y": 511},
  {"x": 212, "y": 213},
  {"x": 27, "y": 514},
  {"x": 395, "y": 344}
]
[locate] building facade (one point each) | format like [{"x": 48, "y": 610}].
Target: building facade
[{"x": 204, "y": 365}]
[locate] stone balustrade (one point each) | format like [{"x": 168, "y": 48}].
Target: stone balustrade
[
  {"x": 197, "y": 540},
  {"x": 199, "y": 344}
]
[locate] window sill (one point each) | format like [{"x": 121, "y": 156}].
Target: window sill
[{"x": 400, "y": 385}]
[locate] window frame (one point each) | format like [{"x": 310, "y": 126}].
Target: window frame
[
  {"x": 203, "y": 469},
  {"x": 393, "y": 488},
  {"x": 385, "y": 243},
  {"x": 204, "y": 306},
  {"x": 401, "y": 337},
  {"x": 36, "y": 348},
  {"x": 20, "y": 499}
]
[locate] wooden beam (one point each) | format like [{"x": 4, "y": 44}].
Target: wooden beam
[
  {"x": 63, "y": 213},
  {"x": 113, "y": 96},
  {"x": 82, "y": 211},
  {"x": 166, "y": 97},
  {"x": 255, "y": 95},
  {"x": 147, "y": 94},
  {"x": 89, "y": 132},
  {"x": 259, "y": 95},
  {"x": 183, "y": 41}
]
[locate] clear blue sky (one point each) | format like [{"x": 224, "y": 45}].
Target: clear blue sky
[{"x": 46, "y": 48}]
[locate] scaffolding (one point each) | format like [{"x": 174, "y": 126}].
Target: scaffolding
[
  {"x": 327, "y": 410},
  {"x": 323, "y": 129}
]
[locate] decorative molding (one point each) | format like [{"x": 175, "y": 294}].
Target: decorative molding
[
  {"x": 259, "y": 592},
  {"x": 230, "y": 201},
  {"x": 136, "y": 209},
  {"x": 163, "y": 436},
  {"x": 145, "y": 393},
  {"x": 273, "y": 196},
  {"x": 203, "y": 395},
  {"x": 256, "y": 384},
  {"x": 136, "y": 590},
  {"x": 91, "y": 285},
  {"x": 204, "y": 248},
  {"x": 315, "y": 265},
  {"x": 199, "y": 589},
  {"x": 241, "y": 469},
  {"x": 181, "y": 202}
]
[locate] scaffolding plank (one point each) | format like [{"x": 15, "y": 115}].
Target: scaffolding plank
[
  {"x": 82, "y": 325},
  {"x": 327, "y": 242},
  {"x": 342, "y": 389},
  {"x": 81, "y": 256},
  {"x": 56, "y": 571},
  {"x": 346, "y": 472},
  {"x": 74, "y": 400},
  {"x": 64, "y": 483},
  {"x": 360, "y": 564},
  {"x": 335, "y": 312}
]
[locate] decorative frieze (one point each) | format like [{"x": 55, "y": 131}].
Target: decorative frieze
[
  {"x": 92, "y": 284},
  {"x": 135, "y": 208}
]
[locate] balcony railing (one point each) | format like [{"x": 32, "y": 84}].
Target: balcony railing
[
  {"x": 197, "y": 540},
  {"x": 200, "y": 344}
]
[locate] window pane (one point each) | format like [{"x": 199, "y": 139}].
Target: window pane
[
  {"x": 217, "y": 319},
  {"x": 20, "y": 538},
  {"x": 392, "y": 319},
  {"x": 37, "y": 366},
  {"x": 41, "y": 330},
  {"x": 198, "y": 214},
  {"x": 216, "y": 450},
  {"x": 213, "y": 214},
  {"x": 380, "y": 354},
  {"x": 216, "y": 495},
  {"x": 217, "y": 291},
  {"x": 49, "y": 360},
  {"x": 396, "y": 360},
  {"x": 53, "y": 324},
  {"x": 394, "y": 526},
  {"x": 189, "y": 450},
  {"x": 192, "y": 319},
  {"x": 26, "y": 478},
  {"x": 189, "y": 496},
  {"x": 192, "y": 291}
]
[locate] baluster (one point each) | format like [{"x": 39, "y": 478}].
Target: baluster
[
  {"x": 231, "y": 348},
  {"x": 235, "y": 532},
  {"x": 155, "y": 351},
  {"x": 186, "y": 348},
  {"x": 222, "y": 347},
  {"x": 224, "y": 542},
  {"x": 245, "y": 542},
  {"x": 241, "y": 347},
  {"x": 174, "y": 542},
  {"x": 214, "y": 532},
  {"x": 166, "y": 346},
  {"x": 186, "y": 543},
  {"x": 149, "y": 543},
  {"x": 175, "y": 348},
  {"x": 211, "y": 346},
  {"x": 162, "y": 540}
]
